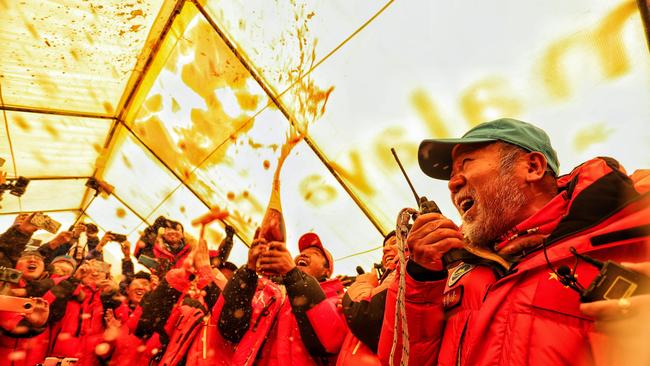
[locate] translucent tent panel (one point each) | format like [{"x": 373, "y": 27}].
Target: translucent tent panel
[
  {"x": 280, "y": 36},
  {"x": 71, "y": 55},
  {"x": 238, "y": 179},
  {"x": 112, "y": 215},
  {"x": 46, "y": 195},
  {"x": 137, "y": 175},
  {"x": 66, "y": 218},
  {"x": 560, "y": 74},
  {"x": 183, "y": 206},
  {"x": 200, "y": 97},
  {"x": 5, "y": 151},
  {"x": 312, "y": 200},
  {"x": 48, "y": 145},
  {"x": 238, "y": 176}
]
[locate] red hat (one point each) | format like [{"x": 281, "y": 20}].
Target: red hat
[{"x": 309, "y": 240}]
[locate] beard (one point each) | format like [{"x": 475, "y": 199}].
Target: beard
[{"x": 494, "y": 211}]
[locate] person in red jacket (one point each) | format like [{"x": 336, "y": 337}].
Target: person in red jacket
[
  {"x": 503, "y": 179},
  {"x": 21, "y": 343},
  {"x": 363, "y": 306},
  {"x": 82, "y": 325},
  {"x": 178, "y": 322},
  {"x": 292, "y": 322},
  {"x": 25, "y": 336}
]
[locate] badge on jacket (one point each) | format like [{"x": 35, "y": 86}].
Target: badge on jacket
[
  {"x": 459, "y": 272},
  {"x": 452, "y": 297}
]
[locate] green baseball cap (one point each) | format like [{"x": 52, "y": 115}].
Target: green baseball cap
[{"x": 434, "y": 155}]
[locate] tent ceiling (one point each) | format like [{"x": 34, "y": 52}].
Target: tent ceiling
[{"x": 182, "y": 105}]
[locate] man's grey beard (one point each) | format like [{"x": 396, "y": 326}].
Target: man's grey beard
[{"x": 496, "y": 211}]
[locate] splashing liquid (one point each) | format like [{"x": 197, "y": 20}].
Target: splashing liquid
[{"x": 273, "y": 227}]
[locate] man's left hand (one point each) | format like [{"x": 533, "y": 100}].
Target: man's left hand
[{"x": 277, "y": 259}]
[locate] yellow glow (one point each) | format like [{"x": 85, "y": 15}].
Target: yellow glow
[
  {"x": 603, "y": 42},
  {"x": 202, "y": 97},
  {"x": 595, "y": 134},
  {"x": 198, "y": 117},
  {"x": 137, "y": 175},
  {"x": 50, "y": 145},
  {"x": 39, "y": 196},
  {"x": 71, "y": 55}
]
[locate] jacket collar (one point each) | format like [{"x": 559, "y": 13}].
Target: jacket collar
[{"x": 593, "y": 190}]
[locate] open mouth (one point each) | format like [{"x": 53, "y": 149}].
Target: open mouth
[
  {"x": 465, "y": 204},
  {"x": 139, "y": 292},
  {"x": 389, "y": 258},
  {"x": 302, "y": 262},
  {"x": 32, "y": 267}
]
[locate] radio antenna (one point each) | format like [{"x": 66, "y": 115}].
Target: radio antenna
[{"x": 417, "y": 198}]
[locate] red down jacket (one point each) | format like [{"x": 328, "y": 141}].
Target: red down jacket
[
  {"x": 30, "y": 348},
  {"x": 81, "y": 328},
  {"x": 297, "y": 326},
  {"x": 527, "y": 317}
]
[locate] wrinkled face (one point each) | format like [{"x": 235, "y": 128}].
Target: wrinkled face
[
  {"x": 137, "y": 289},
  {"x": 31, "y": 266},
  {"x": 173, "y": 236},
  {"x": 62, "y": 268},
  {"x": 312, "y": 262},
  {"x": 488, "y": 198},
  {"x": 390, "y": 257}
]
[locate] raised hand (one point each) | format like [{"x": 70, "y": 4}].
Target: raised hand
[{"x": 431, "y": 236}]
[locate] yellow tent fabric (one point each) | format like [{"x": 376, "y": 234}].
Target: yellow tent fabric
[{"x": 184, "y": 105}]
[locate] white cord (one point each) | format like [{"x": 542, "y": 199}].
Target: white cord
[{"x": 400, "y": 306}]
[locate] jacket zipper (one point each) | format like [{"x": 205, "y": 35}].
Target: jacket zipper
[
  {"x": 460, "y": 343},
  {"x": 263, "y": 313}
]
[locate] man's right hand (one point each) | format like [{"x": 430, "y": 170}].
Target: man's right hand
[
  {"x": 24, "y": 225},
  {"x": 126, "y": 249},
  {"x": 369, "y": 278},
  {"x": 78, "y": 229},
  {"x": 257, "y": 247},
  {"x": 431, "y": 236}
]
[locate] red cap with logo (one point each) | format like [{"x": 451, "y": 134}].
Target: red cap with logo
[{"x": 309, "y": 240}]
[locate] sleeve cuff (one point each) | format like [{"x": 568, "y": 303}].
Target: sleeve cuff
[{"x": 421, "y": 274}]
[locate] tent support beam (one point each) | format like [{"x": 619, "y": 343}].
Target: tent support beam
[
  {"x": 54, "y": 112},
  {"x": 129, "y": 95},
  {"x": 73, "y": 210},
  {"x": 58, "y": 178},
  {"x": 180, "y": 179},
  {"x": 117, "y": 197},
  {"x": 260, "y": 80}
]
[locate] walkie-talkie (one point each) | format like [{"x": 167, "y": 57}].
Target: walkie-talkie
[
  {"x": 427, "y": 206},
  {"x": 468, "y": 254}
]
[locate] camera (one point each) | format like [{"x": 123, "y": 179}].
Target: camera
[
  {"x": 55, "y": 361},
  {"x": 117, "y": 237},
  {"x": 149, "y": 262},
  {"x": 10, "y": 275},
  {"x": 15, "y": 186},
  {"x": 22, "y": 305},
  {"x": 19, "y": 186}
]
